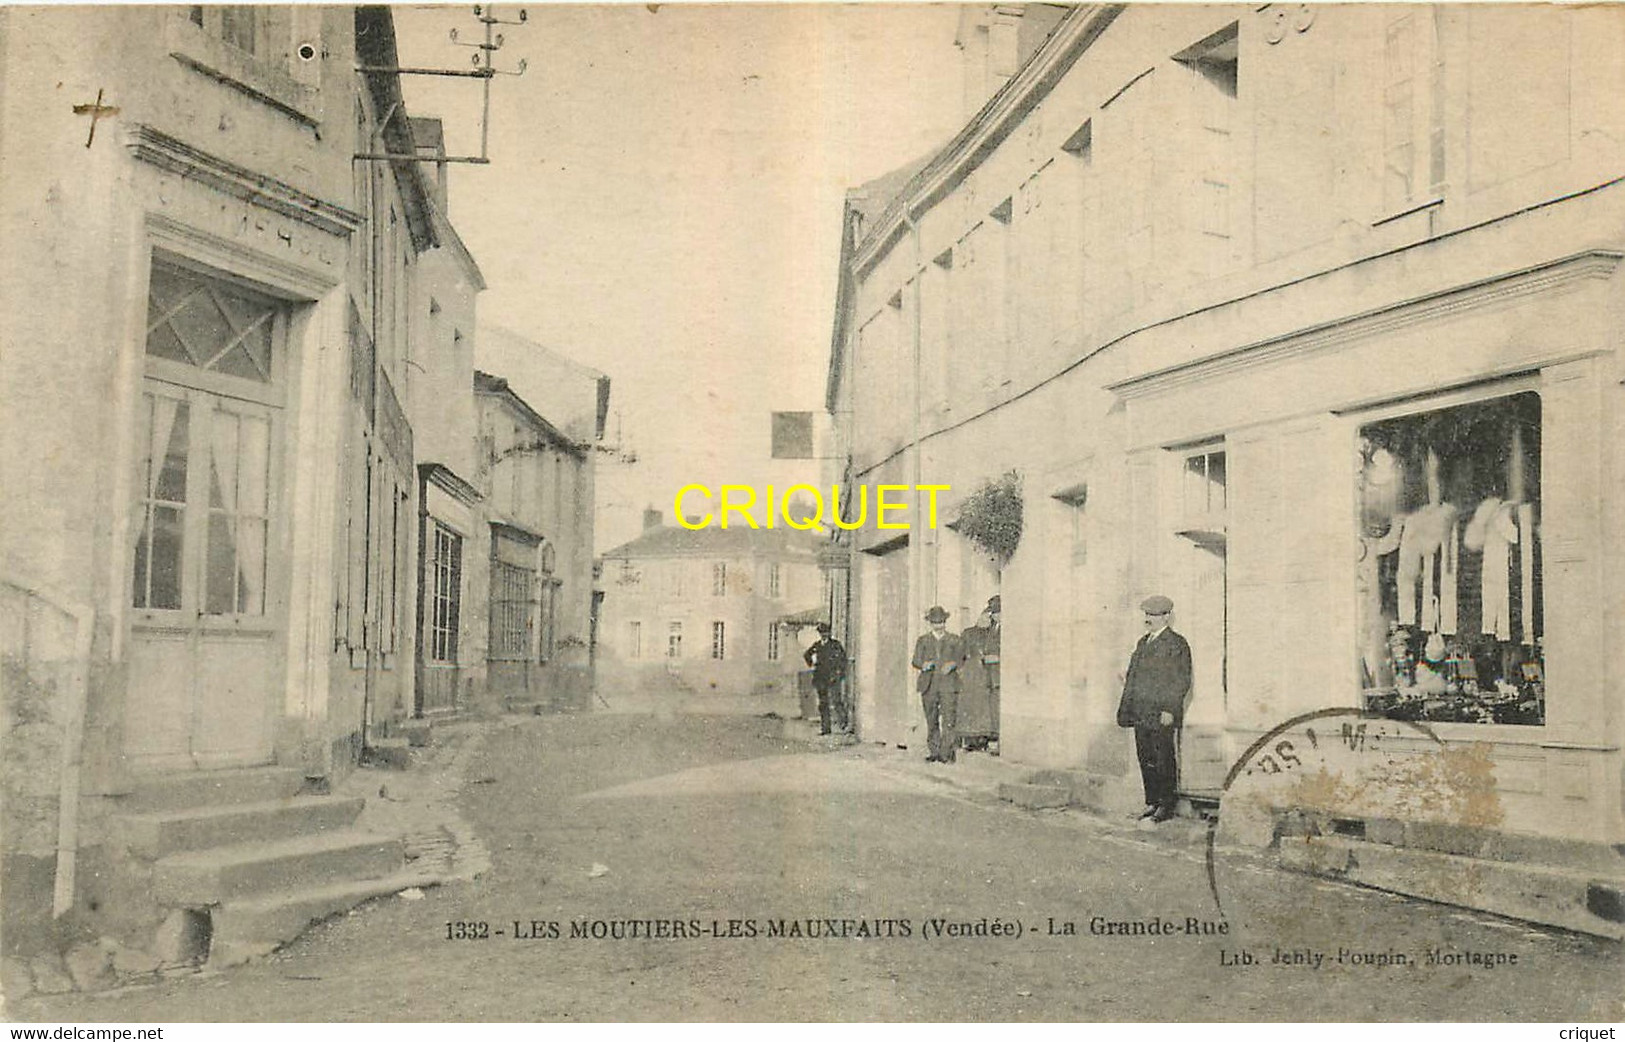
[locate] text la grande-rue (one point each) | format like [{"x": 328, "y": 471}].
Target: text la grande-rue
[{"x": 742, "y": 498}]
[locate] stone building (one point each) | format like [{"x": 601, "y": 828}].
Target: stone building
[
  {"x": 206, "y": 578},
  {"x": 1305, "y": 317},
  {"x": 699, "y": 612}
]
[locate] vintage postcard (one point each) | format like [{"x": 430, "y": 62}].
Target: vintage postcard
[{"x": 813, "y": 513}]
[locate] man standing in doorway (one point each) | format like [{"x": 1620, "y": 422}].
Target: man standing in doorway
[
  {"x": 937, "y": 656},
  {"x": 1154, "y": 693},
  {"x": 828, "y": 661}
]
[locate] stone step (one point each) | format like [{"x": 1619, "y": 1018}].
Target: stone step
[
  {"x": 180, "y": 790},
  {"x": 1559, "y": 896},
  {"x": 1034, "y": 796},
  {"x": 162, "y": 833},
  {"x": 1083, "y": 788},
  {"x": 245, "y": 928},
  {"x": 210, "y": 877}
]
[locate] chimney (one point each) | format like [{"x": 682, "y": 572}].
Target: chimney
[{"x": 651, "y": 518}]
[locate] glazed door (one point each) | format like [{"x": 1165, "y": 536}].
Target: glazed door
[{"x": 203, "y": 655}]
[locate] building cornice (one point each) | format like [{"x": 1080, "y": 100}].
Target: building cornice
[
  {"x": 153, "y": 146},
  {"x": 1547, "y": 277},
  {"x": 446, "y": 480},
  {"x": 988, "y": 129}
]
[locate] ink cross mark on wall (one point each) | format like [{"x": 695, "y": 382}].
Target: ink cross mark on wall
[{"x": 96, "y": 110}]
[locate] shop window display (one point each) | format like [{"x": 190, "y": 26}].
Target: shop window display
[{"x": 1451, "y": 624}]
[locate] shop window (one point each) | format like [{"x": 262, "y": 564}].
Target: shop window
[
  {"x": 446, "y": 606},
  {"x": 674, "y": 640},
  {"x": 1450, "y": 586},
  {"x": 719, "y": 645}
]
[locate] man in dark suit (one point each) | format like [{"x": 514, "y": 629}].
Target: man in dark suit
[
  {"x": 937, "y": 655},
  {"x": 828, "y": 661},
  {"x": 1154, "y": 693}
]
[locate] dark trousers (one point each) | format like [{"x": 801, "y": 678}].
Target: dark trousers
[
  {"x": 1159, "y": 764},
  {"x": 830, "y": 701},
  {"x": 941, "y": 717}
]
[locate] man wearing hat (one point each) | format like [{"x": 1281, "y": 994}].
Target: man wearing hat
[
  {"x": 937, "y": 655},
  {"x": 1154, "y": 693},
  {"x": 828, "y": 661}
]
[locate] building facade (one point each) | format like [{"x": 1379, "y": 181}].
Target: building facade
[
  {"x": 538, "y": 484},
  {"x": 208, "y": 586},
  {"x": 1305, "y": 317},
  {"x": 701, "y": 611}
]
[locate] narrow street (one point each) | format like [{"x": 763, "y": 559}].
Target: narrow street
[{"x": 606, "y": 825}]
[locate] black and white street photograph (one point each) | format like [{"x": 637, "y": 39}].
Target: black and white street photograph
[{"x": 812, "y": 512}]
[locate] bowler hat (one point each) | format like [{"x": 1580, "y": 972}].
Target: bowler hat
[
  {"x": 1156, "y": 604},
  {"x": 937, "y": 614},
  {"x": 823, "y": 627},
  {"x": 993, "y": 604}
]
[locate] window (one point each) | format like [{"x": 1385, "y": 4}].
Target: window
[
  {"x": 634, "y": 640},
  {"x": 1202, "y": 561},
  {"x": 446, "y": 604},
  {"x": 1214, "y": 81},
  {"x": 719, "y": 579},
  {"x": 772, "y": 642},
  {"x": 674, "y": 640},
  {"x": 773, "y": 580},
  {"x": 674, "y": 578},
  {"x": 1449, "y": 576},
  {"x": 719, "y": 646},
  {"x": 511, "y": 621},
  {"x": 1204, "y": 486},
  {"x": 550, "y": 619},
  {"x": 1412, "y": 108},
  {"x": 270, "y": 52},
  {"x": 207, "y": 417}
]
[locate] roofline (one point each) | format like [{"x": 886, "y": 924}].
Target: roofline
[
  {"x": 498, "y": 387},
  {"x": 449, "y": 237},
  {"x": 375, "y": 40},
  {"x": 987, "y": 129},
  {"x": 629, "y": 548}
]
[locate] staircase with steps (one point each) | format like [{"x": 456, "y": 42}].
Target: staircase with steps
[{"x": 257, "y": 856}]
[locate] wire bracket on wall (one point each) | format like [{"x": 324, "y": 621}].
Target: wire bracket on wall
[{"x": 484, "y": 69}]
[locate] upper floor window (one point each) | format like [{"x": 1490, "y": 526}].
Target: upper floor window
[
  {"x": 719, "y": 579},
  {"x": 1205, "y": 488},
  {"x": 1412, "y": 108},
  {"x": 774, "y": 580},
  {"x": 273, "y": 53},
  {"x": 719, "y": 646}
]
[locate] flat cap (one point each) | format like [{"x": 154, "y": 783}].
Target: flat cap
[
  {"x": 937, "y": 614},
  {"x": 1156, "y": 604}
]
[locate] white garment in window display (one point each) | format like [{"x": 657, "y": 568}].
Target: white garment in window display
[
  {"x": 1494, "y": 529},
  {"x": 1425, "y": 532},
  {"x": 1449, "y": 576},
  {"x": 1526, "y": 571}
]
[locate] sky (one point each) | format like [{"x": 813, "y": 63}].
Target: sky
[{"x": 664, "y": 203}]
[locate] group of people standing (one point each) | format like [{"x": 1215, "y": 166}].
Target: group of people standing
[{"x": 958, "y": 682}]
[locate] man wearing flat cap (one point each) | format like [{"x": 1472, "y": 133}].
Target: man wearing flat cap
[
  {"x": 1154, "y": 693},
  {"x": 938, "y": 655}
]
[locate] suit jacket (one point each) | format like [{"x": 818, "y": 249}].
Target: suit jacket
[
  {"x": 828, "y": 660},
  {"x": 1158, "y": 680},
  {"x": 944, "y": 656}
]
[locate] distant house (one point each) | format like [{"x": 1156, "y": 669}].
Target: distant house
[{"x": 701, "y": 610}]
